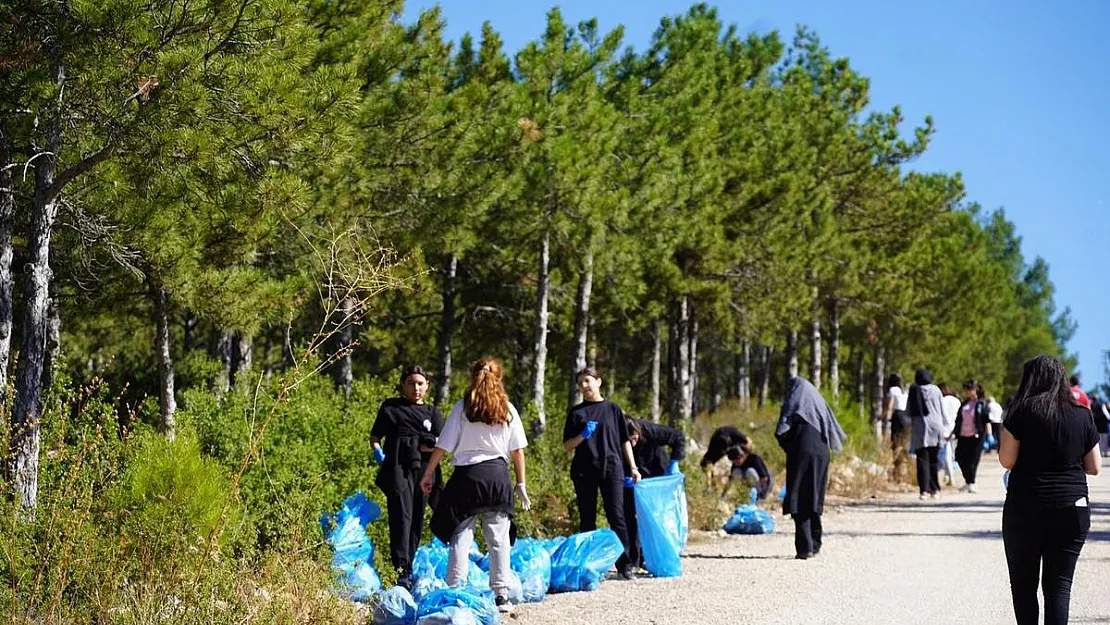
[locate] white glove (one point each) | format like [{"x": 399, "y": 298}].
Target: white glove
[{"x": 522, "y": 495}]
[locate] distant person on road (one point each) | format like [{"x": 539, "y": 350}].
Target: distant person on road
[
  {"x": 750, "y": 467},
  {"x": 401, "y": 441},
  {"x": 1049, "y": 442},
  {"x": 1102, "y": 423},
  {"x": 1078, "y": 394},
  {"x": 648, "y": 440},
  {"x": 927, "y": 431},
  {"x": 971, "y": 428},
  {"x": 995, "y": 414},
  {"x": 807, "y": 431},
  {"x": 596, "y": 431},
  {"x": 897, "y": 422},
  {"x": 950, "y": 407}
]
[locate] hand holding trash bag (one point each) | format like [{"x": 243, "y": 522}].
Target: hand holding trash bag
[
  {"x": 672, "y": 469},
  {"x": 379, "y": 455},
  {"x": 588, "y": 431},
  {"x": 522, "y": 494}
]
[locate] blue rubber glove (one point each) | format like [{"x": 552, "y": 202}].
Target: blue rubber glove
[
  {"x": 672, "y": 468},
  {"x": 591, "y": 427},
  {"x": 379, "y": 455},
  {"x": 1006, "y": 480}
]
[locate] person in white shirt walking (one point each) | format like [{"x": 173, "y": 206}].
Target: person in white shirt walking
[
  {"x": 483, "y": 432},
  {"x": 950, "y": 407}
]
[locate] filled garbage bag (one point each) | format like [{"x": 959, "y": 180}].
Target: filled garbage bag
[
  {"x": 425, "y": 585},
  {"x": 663, "y": 523},
  {"x": 481, "y": 605},
  {"x": 552, "y": 544},
  {"x": 354, "y": 552},
  {"x": 749, "y": 519},
  {"x": 583, "y": 560},
  {"x": 450, "y": 616},
  {"x": 430, "y": 561},
  {"x": 394, "y": 607},
  {"x": 532, "y": 562}
]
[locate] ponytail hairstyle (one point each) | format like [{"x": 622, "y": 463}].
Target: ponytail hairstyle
[{"x": 485, "y": 400}]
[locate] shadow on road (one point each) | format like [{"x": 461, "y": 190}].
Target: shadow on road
[{"x": 706, "y": 556}]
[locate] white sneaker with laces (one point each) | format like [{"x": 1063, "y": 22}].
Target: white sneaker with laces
[{"x": 971, "y": 488}]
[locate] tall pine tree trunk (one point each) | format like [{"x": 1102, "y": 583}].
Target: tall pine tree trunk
[
  {"x": 765, "y": 375},
  {"x": 25, "y": 432},
  {"x": 167, "y": 404},
  {"x": 834, "y": 350},
  {"x": 223, "y": 350},
  {"x": 681, "y": 408},
  {"x": 581, "y": 324},
  {"x": 446, "y": 329},
  {"x": 7, "y": 216},
  {"x": 693, "y": 380},
  {"x": 190, "y": 338},
  {"x": 543, "y": 293},
  {"x": 343, "y": 373},
  {"x": 53, "y": 338},
  {"x": 656, "y": 364},
  {"x": 815, "y": 350},
  {"x": 861, "y": 383},
  {"x": 743, "y": 374},
  {"x": 880, "y": 378},
  {"x": 242, "y": 356},
  {"x": 791, "y": 353}
]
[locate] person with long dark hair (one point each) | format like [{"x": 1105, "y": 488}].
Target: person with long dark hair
[
  {"x": 1050, "y": 444},
  {"x": 648, "y": 441},
  {"x": 926, "y": 431},
  {"x": 807, "y": 431},
  {"x": 401, "y": 441},
  {"x": 483, "y": 434},
  {"x": 970, "y": 431}
]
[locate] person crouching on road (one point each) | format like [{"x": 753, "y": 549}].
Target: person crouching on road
[
  {"x": 750, "y": 467},
  {"x": 483, "y": 433},
  {"x": 597, "y": 432}
]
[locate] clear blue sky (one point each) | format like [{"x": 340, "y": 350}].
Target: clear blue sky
[{"x": 1019, "y": 91}]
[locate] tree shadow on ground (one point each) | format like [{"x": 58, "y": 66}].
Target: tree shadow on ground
[{"x": 721, "y": 556}]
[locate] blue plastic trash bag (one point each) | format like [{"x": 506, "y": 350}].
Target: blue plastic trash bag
[
  {"x": 552, "y": 544},
  {"x": 584, "y": 559},
  {"x": 480, "y": 604},
  {"x": 663, "y": 523},
  {"x": 476, "y": 577},
  {"x": 532, "y": 562},
  {"x": 450, "y": 616},
  {"x": 782, "y": 493},
  {"x": 425, "y": 585},
  {"x": 430, "y": 562},
  {"x": 358, "y": 581},
  {"x": 394, "y": 607},
  {"x": 749, "y": 519},
  {"x": 516, "y": 588}
]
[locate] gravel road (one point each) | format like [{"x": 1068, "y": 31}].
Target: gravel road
[{"x": 896, "y": 560}]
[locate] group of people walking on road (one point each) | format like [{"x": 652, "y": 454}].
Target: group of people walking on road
[{"x": 1048, "y": 438}]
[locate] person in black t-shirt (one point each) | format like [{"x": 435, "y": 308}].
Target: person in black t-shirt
[
  {"x": 723, "y": 439},
  {"x": 648, "y": 440},
  {"x": 1049, "y": 443},
  {"x": 597, "y": 433},
  {"x": 402, "y": 440},
  {"x": 749, "y": 466}
]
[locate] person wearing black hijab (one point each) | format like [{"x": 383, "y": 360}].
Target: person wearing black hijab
[{"x": 807, "y": 431}]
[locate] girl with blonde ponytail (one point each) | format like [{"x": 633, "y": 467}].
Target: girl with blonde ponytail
[{"x": 483, "y": 433}]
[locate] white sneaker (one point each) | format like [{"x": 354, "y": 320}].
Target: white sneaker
[{"x": 971, "y": 488}]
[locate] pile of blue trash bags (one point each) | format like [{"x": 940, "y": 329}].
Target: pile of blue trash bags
[
  {"x": 539, "y": 566},
  {"x": 750, "y": 519}
]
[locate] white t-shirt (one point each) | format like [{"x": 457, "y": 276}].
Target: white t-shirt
[
  {"x": 471, "y": 443},
  {"x": 899, "y": 396},
  {"x": 994, "y": 411},
  {"x": 950, "y": 407}
]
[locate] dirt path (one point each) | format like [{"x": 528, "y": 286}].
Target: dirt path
[{"x": 893, "y": 561}]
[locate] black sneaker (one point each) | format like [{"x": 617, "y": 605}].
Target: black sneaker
[
  {"x": 503, "y": 604},
  {"x": 626, "y": 573}
]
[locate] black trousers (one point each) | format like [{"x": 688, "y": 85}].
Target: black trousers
[
  {"x": 1034, "y": 536},
  {"x": 969, "y": 449},
  {"x": 807, "y": 533},
  {"x": 586, "y": 488},
  {"x": 406, "y": 524},
  {"x": 635, "y": 555},
  {"x": 928, "y": 469}
]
